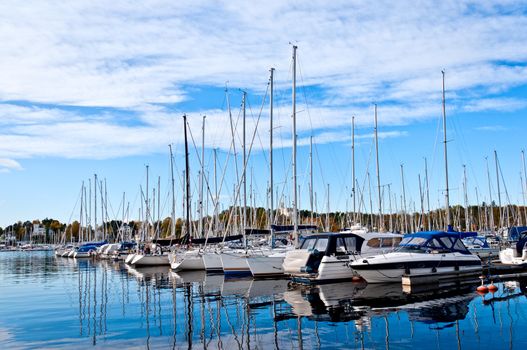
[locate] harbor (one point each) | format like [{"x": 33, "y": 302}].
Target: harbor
[
  {"x": 244, "y": 175},
  {"x": 66, "y": 303}
]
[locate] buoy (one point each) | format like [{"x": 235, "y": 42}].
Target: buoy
[
  {"x": 492, "y": 287},
  {"x": 482, "y": 289}
]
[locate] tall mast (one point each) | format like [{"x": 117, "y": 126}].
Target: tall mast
[
  {"x": 295, "y": 218},
  {"x": 95, "y": 205},
  {"x": 403, "y": 205},
  {"x": 271, "y": 183},
  {"x": 158, "y": 225},
  {"x": 353, "y": 165},
  {"x": 173, "y": 214},
  {"x": 187, "y": 180},
  {"x": 525, "y": 190},
  {"x": 147, "y": 204},
  {"x": 311, "y": 175},
  {"x": 327, "y": 216},
  {"x": 244, "y": 174},
  {"x": 447, "y": 198},
  {"x": 381, "y": 221},
  {"x": 215, "y": 192},
  {"x": 467, "y": 218},
  {"x": 201, "y": 178},
  {"x": 421, "y": 197},
  {"x": 490, "y": 196},
  {"x": 498, "y": 183},
  {"x": 427, "y": 196}
]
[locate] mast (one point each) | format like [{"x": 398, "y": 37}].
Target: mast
[
  {"x": 381, "y": 220},
  {"x": 244, "y": 174},
  {"x": 427, "y": 197},
  {"x": 498, "y": 183},
  {"x": 311, "y": 175},
  {"x": 173, "y": 213},
  {"x": 201, "y": 178},
  {"x": 422, "y": 203},
  {"x": 447, "y": 198},
  {"x": 187, "y": 180},
  {"x": 525, "y": 190},
  {"x": 327, "y": 216},
  {"x": 353, "y": 166},
  {"x": 95, "y": 205},
  {"x": 147, "y": 204},
  {"x": 403, "y": 206},
  {"x": 467, "y": 218},
  {"x": 271, "y": 183},
  {"x": 295, "y": 218},
  {"x": 490, "y": 196},
  {"x": 158, "y": 205},
  {"x": 215, "y": 191}
]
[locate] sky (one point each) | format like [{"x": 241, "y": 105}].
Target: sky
[{"x": 100, "y": 87}]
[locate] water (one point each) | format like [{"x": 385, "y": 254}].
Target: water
[{"x": 48, "y": 302}]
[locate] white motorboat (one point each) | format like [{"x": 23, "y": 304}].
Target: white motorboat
[
  {"x": 517, "y": 254},
  {"x": 325, "y": 257},
  {"x": 85, "y": 251},
  {"x": 422, "y": 253}
]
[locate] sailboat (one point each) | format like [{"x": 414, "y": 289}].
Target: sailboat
[{"x": 422, "y": 253}]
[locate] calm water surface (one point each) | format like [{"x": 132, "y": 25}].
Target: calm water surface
[{"x": 48, "y": 302}]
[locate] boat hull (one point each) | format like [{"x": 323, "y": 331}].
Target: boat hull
[
  {"x": 212, "y": 262},
  {"x": 235, "y": 264},
  {"x": 266, "y": 265},
  {"x": 150, "y": 260}
]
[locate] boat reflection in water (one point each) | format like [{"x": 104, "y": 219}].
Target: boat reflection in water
[{"x": 105, "y": 304}]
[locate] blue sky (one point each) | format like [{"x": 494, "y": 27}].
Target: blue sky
[{"x": 100, "y": 87}]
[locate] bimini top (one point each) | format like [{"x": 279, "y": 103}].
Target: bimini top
[{"x": 433, "y": 241}]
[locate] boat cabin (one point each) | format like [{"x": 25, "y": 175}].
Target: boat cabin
[{"x": 433, "y": 242}]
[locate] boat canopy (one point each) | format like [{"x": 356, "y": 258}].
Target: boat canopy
[
  {"x": 433, "y": 241},
  {"x": 95, "y": 244},
  {"x": 332, "y": 243},
  {"x": 86, "y": 248}
]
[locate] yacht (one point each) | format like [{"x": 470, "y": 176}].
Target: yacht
[
  {"x": 325, "y": 257},
  {"x": 152, "y": 255},
  {"x": 85, "y": 251},
  {"x": 517, "y": 254},
  {"x": 186, "y": 260},
  {"x": 422, "y": 253}
]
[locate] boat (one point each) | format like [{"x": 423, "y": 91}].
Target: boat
[
  {"x": 187, "y": 260},
  {"x": 479, "y": 245},
  {"x": 85, "y": 251},
  {"x": 151, "y": 256},
  {"x": 422, "y": 253},
  {"x": 124, "y": 250},
  {"x": 325, "y": 257},
  {"x": 517, "y": 254}
]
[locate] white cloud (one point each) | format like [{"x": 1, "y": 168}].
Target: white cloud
[
  {"x": 7, "y": 165},
  {"x": 132, "y": 57}
]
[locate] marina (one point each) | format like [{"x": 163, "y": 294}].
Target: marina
[{"x": 100, "y": 304}]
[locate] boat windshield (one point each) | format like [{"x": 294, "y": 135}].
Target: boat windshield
[
  {"x": 318, "y": 243},
  {"x": 438, "y": 244}
]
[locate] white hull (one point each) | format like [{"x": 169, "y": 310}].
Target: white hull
[
  {"x": 212, "y": 262},
  {"x": 391, "y": 267},
  {"x": 150, "y": 260},
  {"x": 82, "y": 255},
  {"x": 129, "y": 258},
  {"x": 331, "y": 268},
  {"x": 508, "y": 257},
  {"x": 187, "y": 261},
  {"x": 235, "y": 263},
  {"x": 266, "y": 265}
]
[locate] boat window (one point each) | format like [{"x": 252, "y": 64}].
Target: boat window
[
  {"x": 447, "y": 242},
  {"x": 309, "y": 243},
  {"x": 459, "y": 245},
  {"x": 374, "y": 243},
  {"x": 434, "y": 243},
  {"x": 396, "y": 241},
  {"x": 351, "y": 244},
  {"x": 321, "y": 244},
  {"x": 413, "y": 241},
  {"x": 340, "y": 247},
  {"x": 386, "y": 242}
]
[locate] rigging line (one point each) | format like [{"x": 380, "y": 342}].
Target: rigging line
[
  {"x": 260, "y": 113},
  {"x": 304, "y": 93}
]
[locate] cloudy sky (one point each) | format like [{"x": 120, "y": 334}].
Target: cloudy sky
[{"x": 100, "y": 87}]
